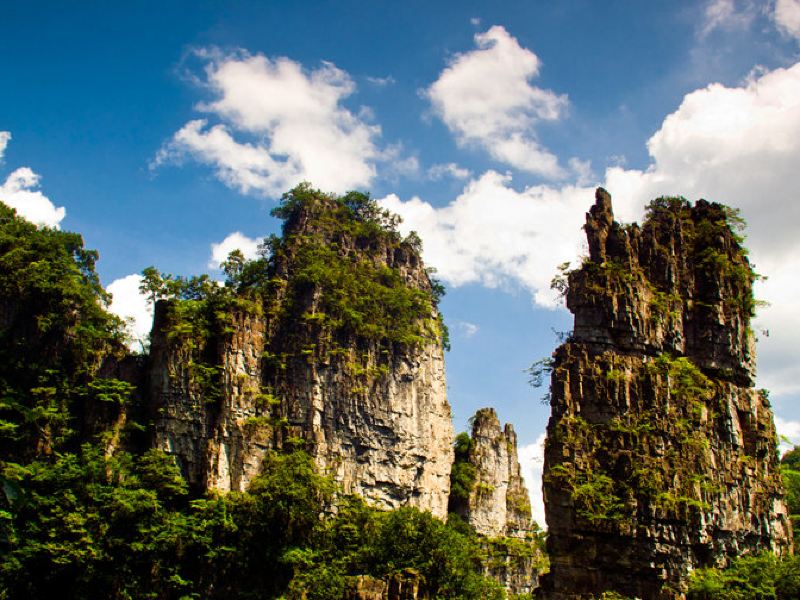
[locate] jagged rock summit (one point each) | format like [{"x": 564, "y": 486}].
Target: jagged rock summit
[
  {"x": 340, "y": 350},
  {"x": 496, "y": 502},
  {"x": 660, "y": 455}
]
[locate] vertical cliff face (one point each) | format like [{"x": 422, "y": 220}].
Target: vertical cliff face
[
  {"x": 333, "y": 343},
  {"x": 205, "y": 386},
  {"x": 660, "y": 456},
  {"x": 488, "y": 492},
  {"x": 496, "y": 503}
]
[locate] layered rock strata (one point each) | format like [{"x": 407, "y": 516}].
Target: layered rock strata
[
  {"x": 660, "y": 455},
  {"x": 357, "y": 380},
  {"x": 495, "y": 502},
  {"x": 498, "y": 503}
]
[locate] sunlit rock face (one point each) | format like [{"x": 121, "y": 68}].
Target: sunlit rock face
[
  {"x": 660, "y": 455},
  {"x": 281, "y": 370},
  {"x": 498, "y": 503}
]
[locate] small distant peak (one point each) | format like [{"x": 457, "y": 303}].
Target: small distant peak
[
  {"x": 602, "y": 209},
  {"x": 599, "y": 220}
]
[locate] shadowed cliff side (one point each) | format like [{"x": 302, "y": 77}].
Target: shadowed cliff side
[{"x": 660, "y": 455}]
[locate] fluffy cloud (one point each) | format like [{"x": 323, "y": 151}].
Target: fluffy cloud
[
  {"x": 131, "y": 305},
  {"x": 293, "y": 124},
  {"x": 234, "y": 241},
  {"x": 736, "y": 145},
  {"x": 485, "y": 98},
  {"x": 531, "y": 460},
  {"x": 493, "y": 235},
  {"x": 20, "y": 192},
  {"x": 440, "y": 171},
  {"x": 787, "y": 17}
]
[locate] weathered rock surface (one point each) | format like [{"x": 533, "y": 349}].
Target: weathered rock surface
[
  {"x": 660, "y": 456},
  {"x": 206, "y": 400},
  {"x": 403, "y": 585},
  {"x": 498, "y": 503},
  {"x": 282, "y": 370}
]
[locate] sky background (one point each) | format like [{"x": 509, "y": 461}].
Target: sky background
[{"x": 165, "y": 132}]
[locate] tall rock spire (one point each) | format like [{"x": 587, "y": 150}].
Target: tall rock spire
[{"x": 660, "y": 455}]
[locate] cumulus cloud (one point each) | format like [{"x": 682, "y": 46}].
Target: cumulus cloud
[
  {"x": 531, "y": 460},
  {"x": 440, "y": 171},
  {"x": 279, "y": 124},
  {"x": 234, "y": 241},
  {"x": 132, "y": 306},
  {"x": 494, "y": 235},
  {"x": 786, "y": 15},
  {"x": 486, "y": 99},
  {"x": 736, "y": 145},
  {"x": 20, "y": 192}
]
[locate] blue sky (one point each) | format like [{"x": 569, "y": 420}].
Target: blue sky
[{"x": 163, "y": 130}]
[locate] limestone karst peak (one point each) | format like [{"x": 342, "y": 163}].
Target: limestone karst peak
[{"x": 660, "y": 456}]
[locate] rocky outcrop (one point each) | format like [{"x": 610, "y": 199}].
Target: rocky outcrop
[
  {"x": 489, "y": 494},
  {"x": 497, "y": 503},
  {"x": 334, "y": 344},
  {"x": 660, "y": 456},
  {"x": 206, "y": 396},
  {"x": 403, "y": 585}
]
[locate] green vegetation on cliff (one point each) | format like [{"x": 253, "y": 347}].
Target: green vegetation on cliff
[
  {"x": 85, "y": 525},
  {"x": 340, "y": 265},
  {"x": 83, "y": 515}
]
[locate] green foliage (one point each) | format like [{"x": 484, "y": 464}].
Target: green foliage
[
  {"x": 685, "y": 381},
  {"x": 357, "y": 294},
  {"x": 762, "y": 577},
  {"x": 790, "y": 471},
  {"x": 595, "y": 498},
  {"x": 462, "y": 474},
  {"x": 87, "y": 525},
  {"x": 539, "y": 371},
  {"x": 54, "y": 333}
]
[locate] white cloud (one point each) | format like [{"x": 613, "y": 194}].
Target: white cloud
[
  {"x": 130, "y": 304},
  {"x": 531, "y": 460},
  {"x": 485, "y": 98},
  {"x": 787, "y": 17},
  {"x": 788, "y": 434},
  {"x": 5, "y": 136},
  {"x": 382, "y": 81},
  {"x": 234, "y": 241},
  {"x": 725, "y": 14},
  {"x": 735, "y": 145},
  {"x": 440, "y": 171},
  {"x": 297, "y": 126},
  {"x": 493, "y": 235},
  {"x": 583, "y": 171},
  {"x": 466, "y": 329},
  {"x": 20, "y": 193}
]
